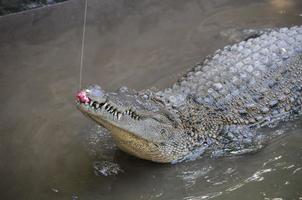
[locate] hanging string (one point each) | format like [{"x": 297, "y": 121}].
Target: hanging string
[{"x": 83, "y": 45}]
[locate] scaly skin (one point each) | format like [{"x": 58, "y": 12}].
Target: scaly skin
[{"x": 217, "y": 105}]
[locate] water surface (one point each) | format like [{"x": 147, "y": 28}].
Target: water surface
[{"x": 48, "y": 150}]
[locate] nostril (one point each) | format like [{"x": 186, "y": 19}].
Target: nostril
[
  {"x": 96, "y": 91},
  {"x": 82, "y": 97}
]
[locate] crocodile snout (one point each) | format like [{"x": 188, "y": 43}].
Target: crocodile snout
[{"x": 82, "y": 97}]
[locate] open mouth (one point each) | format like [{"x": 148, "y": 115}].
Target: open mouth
[{"x": 105, "y": 106}]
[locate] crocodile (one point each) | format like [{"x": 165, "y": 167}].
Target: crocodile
[{"x": 216, "y": 106}]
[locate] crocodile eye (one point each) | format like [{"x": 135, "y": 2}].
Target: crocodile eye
[{"x": 163, "y": 131}]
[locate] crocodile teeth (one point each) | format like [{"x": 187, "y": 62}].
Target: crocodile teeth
[
  {"x": 113, "y": 110},
  {"x": 132, "y": 114},
  {"x": 109, "y": 108}
]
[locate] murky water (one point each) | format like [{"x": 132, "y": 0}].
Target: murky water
[{"x": 48, "y": 150}]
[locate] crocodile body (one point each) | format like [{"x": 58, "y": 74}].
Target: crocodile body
[{"x": 218, "y": 104}]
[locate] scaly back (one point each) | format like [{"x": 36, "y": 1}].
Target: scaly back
[{"x": 252, "y": 80}]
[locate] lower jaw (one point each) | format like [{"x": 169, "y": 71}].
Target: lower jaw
[
  {"x": 137, "y": 147},
  {"x": 132, "y": 144}
]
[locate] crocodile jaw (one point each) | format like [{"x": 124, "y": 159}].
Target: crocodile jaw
[
  {"x": 134, "y": 131},
  {"x": 132, "y": 144}
]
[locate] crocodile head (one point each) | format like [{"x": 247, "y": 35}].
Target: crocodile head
[{"x": 139, "y": 124}]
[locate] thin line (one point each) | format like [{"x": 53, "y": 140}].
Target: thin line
[{"x": 83, "y": 44}]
